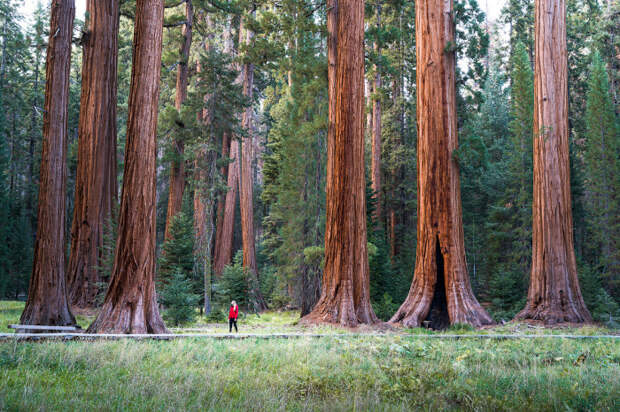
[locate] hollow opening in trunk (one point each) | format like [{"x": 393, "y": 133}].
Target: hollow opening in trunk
[{"x": 438, "y": 317}]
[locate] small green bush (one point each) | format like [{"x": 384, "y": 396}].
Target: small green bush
[
  {"x": 178, "y": 299},
  {"x": 385, "y": 308}
]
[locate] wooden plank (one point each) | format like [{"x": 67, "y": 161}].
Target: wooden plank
[{"x": 43, "y": 327}]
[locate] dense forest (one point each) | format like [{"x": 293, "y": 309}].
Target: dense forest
[{"x": 169, "y": 156}]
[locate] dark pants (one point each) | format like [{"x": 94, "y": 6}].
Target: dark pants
[{"x": 232, "y": 322}]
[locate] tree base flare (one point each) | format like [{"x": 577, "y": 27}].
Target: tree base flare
[
  {"x": 128, "y": 318},
  {"x": 340, "y": 313},
  {"x": 552, "y": 314}
]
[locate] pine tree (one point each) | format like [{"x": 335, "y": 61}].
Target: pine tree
[{"x": 603, "y": 176}]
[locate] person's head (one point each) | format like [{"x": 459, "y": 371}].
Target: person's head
[{"x": 233, "y": 303}]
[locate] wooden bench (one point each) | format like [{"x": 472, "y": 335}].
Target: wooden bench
[{"x": 35, "y": 328}]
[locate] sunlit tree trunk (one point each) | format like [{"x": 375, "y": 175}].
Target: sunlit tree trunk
[
  {"x": 440, "y": 291},
  {"x": 177, "y": 166},
  {"x": 554, "y": 294},
  {"x": 345, "y": 295},
  {"x": 47, "y": 295},
  {"x": 95, "y": 182},
  {"x": 130, "y": 304}
]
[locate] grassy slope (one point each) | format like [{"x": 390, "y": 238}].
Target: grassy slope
[{"x": 394, "y": 372}]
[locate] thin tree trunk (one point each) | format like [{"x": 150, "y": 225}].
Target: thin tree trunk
[
  {"x": 177, "y": 167},
  {"x": 32, "y": 138},
  {"x": 554, "y": 294},
  {"x": 130, "y": 304},
  {"x": 246, "y": 182},
  {"x": 376, "y": 131},
  {"x": 440, "y": 291},
  {"x": 95, "y": 182},
  {"x": 345, "y": 294},
  {"x": 47, "y": 294}
]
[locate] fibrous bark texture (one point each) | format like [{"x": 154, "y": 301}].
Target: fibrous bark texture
[
  {"x": 226, "y": 207},
  {"x": 95, "y": 182},
  {"x": 130, "y": 305},
  {"x": 554, "y": 294},
  {"x": 221, "y": 204},
  {"x": 345, "y": 296},
  {"x": 177, "y": 167},
  {"x": 246, "y": 181},
  {"x": 440, "y": 291},
  {"x": 376, "y": 131},
  {"x": 224, "y": 249},
  {"x": 47, "y": 294}
]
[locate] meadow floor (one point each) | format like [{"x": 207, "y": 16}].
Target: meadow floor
[{"x": 398, "y": 371}]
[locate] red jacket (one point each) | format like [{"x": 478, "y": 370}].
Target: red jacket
[{"x": 234, "y": 312}]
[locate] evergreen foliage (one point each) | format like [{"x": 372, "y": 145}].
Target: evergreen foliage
[
  {"x": 178, "y": 289},
  {"x": 603, "y": 177}
]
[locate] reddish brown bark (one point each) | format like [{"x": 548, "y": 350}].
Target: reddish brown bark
[
  {"x": 47, "y": 294},
  {"x": 375, "y": 172},
  {"x": 554, "y": 294},
  {"x": 345, "y": 296},
  {"x": 226, "y": 202},
  {"x": 130, "y": 305},
  {"x": 221, "y": 205},
  {"x": 440, "y": 291},
  {"x": 246, "y": 181},
  {"x": 177, "y": 167},
  {"x": 224, "y": 254},
  {"x": 95, "y": 182}
]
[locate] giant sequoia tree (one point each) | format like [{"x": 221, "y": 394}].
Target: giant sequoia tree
[
  {"x": 130, "y": 304},
  {"x": 177, "y": 166},
  {"x": 440, "y": 291},
  {"x": 47, "y": 295},
  {"x": 345, "y": 294},
  {"x": 246, "y": 182},
  {"x": 554, "y": 295},
  {"x": 95, "y": 183}
]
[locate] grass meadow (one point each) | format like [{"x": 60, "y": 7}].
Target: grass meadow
[{"x": 400, "y": 370}]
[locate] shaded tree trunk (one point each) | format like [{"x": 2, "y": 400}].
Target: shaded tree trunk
[
  {"x": 221, "y": 205},
  {"x": 345, "y": 294},
  {"x": 95, "y": 182},
  {"x": 376, "y": 130},
  {"x": 440, "y": 291},
  {"x": 225, "y": 208},
  {"x": 177, "y": 167},
  {"x": 224, "y": 254},
  {"x": 246, "y": 181},
  {"x": 47, "y": 294},
  {"x": 554, "y": 294},
  {"x": 130, "y": 304}
]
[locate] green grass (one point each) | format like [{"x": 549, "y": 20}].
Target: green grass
[
  {"x": 334, "y": 373},
  {"x": 398, "y": 371}
]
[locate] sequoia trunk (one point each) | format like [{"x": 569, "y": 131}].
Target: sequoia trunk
[
  {"x": 130, "y": 305},
  {"x": 177, "y": 166},
  {"x": 47, "y": 294},
  {"x": 246, "y": 181},
  {"x": 554, "y": 294},
  {"x": 95, "y": 182},
  {"x": 226, "y": 202},
  {"x": 345, "y": 296},
  {"x": 440, "y": 291},
  {"x": 376, "y": 130}
]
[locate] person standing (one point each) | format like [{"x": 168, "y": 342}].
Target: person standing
[{"x": 233, "y": 314}]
